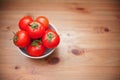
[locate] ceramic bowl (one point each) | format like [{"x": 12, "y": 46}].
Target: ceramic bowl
[{"x": 47, "y": 51}]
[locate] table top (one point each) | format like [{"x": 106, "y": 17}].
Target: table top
[{"x": 89, "y": 47}]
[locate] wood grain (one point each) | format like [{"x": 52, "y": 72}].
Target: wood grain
[{"x": 89, "y": 47}]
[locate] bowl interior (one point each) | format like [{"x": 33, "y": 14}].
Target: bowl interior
[{"x": 47, "y": 51}]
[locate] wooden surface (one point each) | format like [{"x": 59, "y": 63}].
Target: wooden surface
[{"x": 90, "y": 40}]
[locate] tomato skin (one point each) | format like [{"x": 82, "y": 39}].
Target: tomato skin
[
  {"x": 23, "y": 23},
  {"x": 21, "y": 39},
  {"x": 36, "y": 50},
  {"x": 52, "y": 40},
  {"x": 35, "y": 30},
  {"x": 43, "y": 20}
]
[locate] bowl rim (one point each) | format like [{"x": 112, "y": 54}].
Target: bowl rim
[{"x": 43, "y": 56}]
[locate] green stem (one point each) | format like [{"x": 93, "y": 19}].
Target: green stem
[
  {"x": 15, "y": 38},
  {"x": 35, "y": 42},
  {"x": 34, "y": 25},
  {"x": 50, "y": 36}
]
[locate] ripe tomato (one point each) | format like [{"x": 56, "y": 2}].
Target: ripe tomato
[
  {"x": 35, "y": 30},
  {"x": 50, "y": 39},
  {"x": 36, "y": 49},
  {"x": 21, "y": 39},
  {"x": 24, "y": 22},
  {"x": 43, "y": 20}
]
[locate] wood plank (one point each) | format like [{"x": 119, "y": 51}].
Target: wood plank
[{"x": 89, "y": 47}]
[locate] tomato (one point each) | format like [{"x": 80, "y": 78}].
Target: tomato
[
  {"x": 35, "y": 30},
  {"x": 36, "y": 49},
  {"x": 24, "y": 22},
  {"x": 21, "y": 39},
  {"x": 50, "y": 39},
  {"x": 43, "y": 20}
]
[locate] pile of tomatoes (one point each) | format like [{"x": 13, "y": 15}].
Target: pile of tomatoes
[{"x": 35, "y": 35}]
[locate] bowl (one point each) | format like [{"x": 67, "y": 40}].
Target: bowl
[{"x": 47, "y": 52}]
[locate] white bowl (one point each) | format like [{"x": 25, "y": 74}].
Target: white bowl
[{"x": 47, "y": 51}]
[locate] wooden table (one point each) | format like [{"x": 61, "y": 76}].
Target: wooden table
[{"x": 89, "y": 47}]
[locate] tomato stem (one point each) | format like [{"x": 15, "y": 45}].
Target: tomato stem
[
  {"x": 50, "y": 36},
  {"x": 34, "y": 25},
  {"x": 35, "y": 42},
  {"x": 15, "y": 38}
]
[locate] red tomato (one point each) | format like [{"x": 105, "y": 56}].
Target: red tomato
[
  {"x": 21, "y": 39},
  {"x": 50, "y": 39},
  {"x": 24, "y": 22},
  {"x": 43, "y": 20},
  {"x": 35, "y": 30},
  {"x": 36, "y": 49}
]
